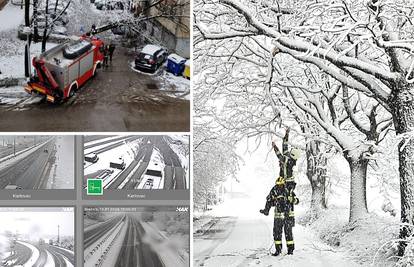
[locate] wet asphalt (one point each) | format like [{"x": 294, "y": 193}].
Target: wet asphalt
[{"x": 117, "y": 99}]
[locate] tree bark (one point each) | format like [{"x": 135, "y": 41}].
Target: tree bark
[
  {"x": 402, "y": 107},
  {"x": 358, "y": 194},
  {"x": 316, "y": 173}
]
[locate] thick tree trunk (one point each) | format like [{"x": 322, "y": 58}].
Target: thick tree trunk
[
  {"x": 358, "y": 194},
  {"x": 316, "y": 173},
  {"x": 402, "y": 107}
]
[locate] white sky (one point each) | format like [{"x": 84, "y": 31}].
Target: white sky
[{"x": 37, "y": 223}]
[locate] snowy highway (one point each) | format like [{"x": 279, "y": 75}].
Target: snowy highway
[
  {"x": 38, "y": 255},
  {"x": 37, "y": 167},
  {"x": 124, "y": 241},
  {"x": 150, "y": 162}
]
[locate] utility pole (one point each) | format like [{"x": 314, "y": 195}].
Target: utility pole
[
  {"x": 58, "y": 239},
  {"x": 14, "y": 146}
]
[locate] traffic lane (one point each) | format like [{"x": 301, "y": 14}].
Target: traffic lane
[
  {"x": 123, "y": 175},
  {"x": 147, "y": 256},
  {"x": 99, "y": 143},
  {"x": 41, "y": 261},
  {"x": 93, "y": 235},
  {"x": 69, "y": 255},
  {"x": 170, "y": 157},
  {"x": 137, "y": 176},
  {"x": 32, "y": 176},
  {"x": 115, "y": 145},
  {"x": 23, "y": 253},
  {"x": 57, "y": 258},
  {"x": 90, "y": 138},
  {"x": 128, "y": 255},
  {"x": 168, "y": 177},
  {"x": 13, "y": 173},
  {"x": 179, "y": 177}
]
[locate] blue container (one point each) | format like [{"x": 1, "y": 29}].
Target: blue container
[{"x": 175, "y": 64}]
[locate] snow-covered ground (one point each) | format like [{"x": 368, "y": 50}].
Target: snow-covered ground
[
  {"x": 176, "y": 86},
  {"x": 109, "y": 246},
  {"x": 170, "y": 254},
  {"x": 63, "y": 171},
  {"x": 182, "y": 152},
  {"x": 247, "y": 240}
]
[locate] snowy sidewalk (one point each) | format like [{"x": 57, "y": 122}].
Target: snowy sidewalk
[{"x": 248, "y": 241}]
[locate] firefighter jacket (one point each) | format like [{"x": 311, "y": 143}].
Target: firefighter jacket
[{"x": 279, "y": 199}]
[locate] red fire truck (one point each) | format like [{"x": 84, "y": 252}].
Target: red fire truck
[{"x": 60, "y": 71}]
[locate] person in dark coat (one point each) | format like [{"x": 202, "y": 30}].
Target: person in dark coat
[
  {"x": 111, "y": 51},
  {"x": 106, "y": 56}
]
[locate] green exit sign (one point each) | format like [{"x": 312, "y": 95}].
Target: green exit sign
[{"x": 94, "y": 187}]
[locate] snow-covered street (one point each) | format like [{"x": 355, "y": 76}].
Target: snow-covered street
[
  {"x": 119, "y": 98},
  {"x": 241, "y": 236}
]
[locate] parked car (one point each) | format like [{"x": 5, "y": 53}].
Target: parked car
[
  {"x": 150, "y": 58},
  {"x": 55, "y": 30},
  {"x": 110, "y": 5}
]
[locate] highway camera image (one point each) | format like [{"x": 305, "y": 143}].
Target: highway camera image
[
  {"x": 138, "y": 162},
  {"x": 36, "y": 162},
  {"x": 136, "y": 236},
  {"x": 37, "y": 236}
]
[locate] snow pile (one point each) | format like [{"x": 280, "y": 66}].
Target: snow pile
[
  {"x": 368, "y": 241},
  {"x": 4, "y": 245},
  {"x": 177, "y": 85},
  {"x": 11, "y": 16},
  {"x": 64, "y": 163}
]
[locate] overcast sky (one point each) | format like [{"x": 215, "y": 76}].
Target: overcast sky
[{"x": 37, "y": 223}]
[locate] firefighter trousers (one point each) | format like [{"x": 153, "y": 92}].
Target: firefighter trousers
[{"x": 281, "y": 225}]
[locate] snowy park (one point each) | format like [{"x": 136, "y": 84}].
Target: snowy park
[{"x": 336, "y": 77}]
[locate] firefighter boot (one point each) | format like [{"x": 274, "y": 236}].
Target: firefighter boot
[
  {"x": 268, "y": 205},
  {"x": 290, "y": 249},
  {"x": 278, "y": 250}
]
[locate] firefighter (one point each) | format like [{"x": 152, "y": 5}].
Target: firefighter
[
  {"x": 280, "y": 199},
  {"x": 111, "y": 51},
  {"x": 106, "y": 56},
  {"x": 287, "y": 161}
]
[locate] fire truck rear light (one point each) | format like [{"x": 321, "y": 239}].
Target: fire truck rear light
[
  {"x": 50, "y": 98},
  {"x": 28, "y": 89}
]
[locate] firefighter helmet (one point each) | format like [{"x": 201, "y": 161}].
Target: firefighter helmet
[
  {"x": 295, "y": 153},
  {"x": 280, "y": 181}
]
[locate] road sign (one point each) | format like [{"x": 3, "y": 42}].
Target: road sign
[{"x": 95, "y": 187}]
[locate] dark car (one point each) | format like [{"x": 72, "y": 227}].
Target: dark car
[{"x": 150, "y": 58}]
